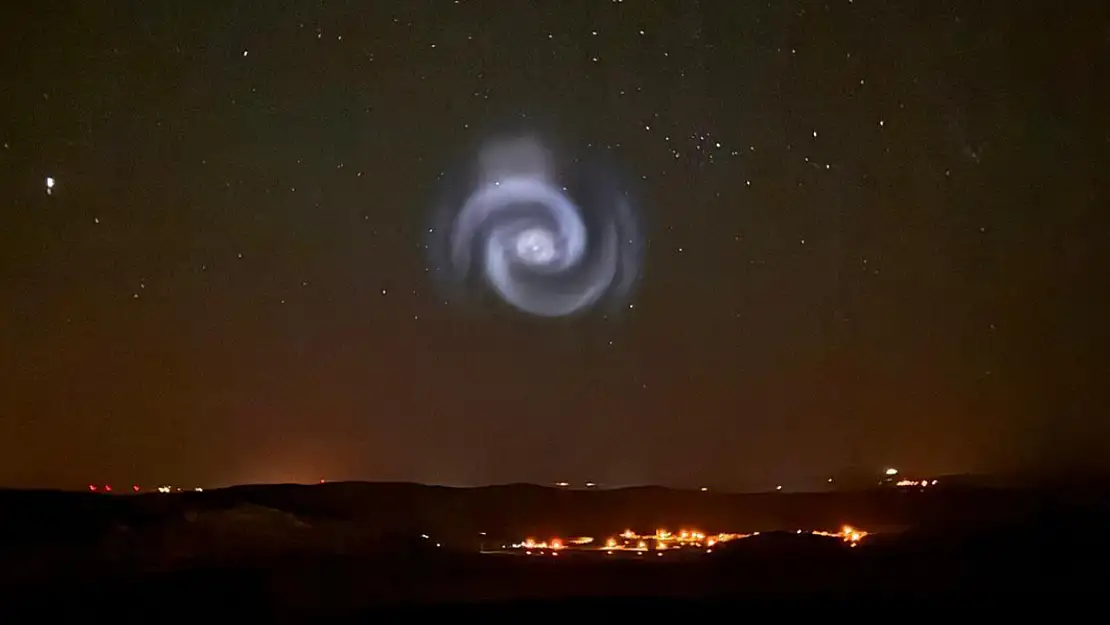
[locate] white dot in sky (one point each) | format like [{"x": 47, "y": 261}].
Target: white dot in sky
[{"x": 49, "y": 185}]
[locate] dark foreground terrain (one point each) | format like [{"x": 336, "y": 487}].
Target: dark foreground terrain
[{"x": 340, "y": 552}]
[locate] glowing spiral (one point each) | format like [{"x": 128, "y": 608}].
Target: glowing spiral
[{"x": 538, "y": 248}]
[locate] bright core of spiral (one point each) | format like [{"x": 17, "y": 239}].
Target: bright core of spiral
[
  {"x": 543, "y": 247},
  {"x": 536, "y": 246}
]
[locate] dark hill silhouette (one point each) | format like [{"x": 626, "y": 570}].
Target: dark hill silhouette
[
  {"x": 458, "y": 515},
  {"x": 346, "y": 546}
]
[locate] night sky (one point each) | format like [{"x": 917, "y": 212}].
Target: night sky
[{"x": 874, "y": 234}]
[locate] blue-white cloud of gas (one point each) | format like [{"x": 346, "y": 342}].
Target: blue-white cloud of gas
[{"x": 546, "y": 238}]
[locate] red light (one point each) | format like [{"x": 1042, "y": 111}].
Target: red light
[
  {"x": 92, "y": 487},
  {"x": 321, "y": 480},
  {"x": 107, "y": 488},
  {"x": 135, "y": 488}
]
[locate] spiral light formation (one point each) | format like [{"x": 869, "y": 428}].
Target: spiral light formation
[{"x": 539, "y": 249}]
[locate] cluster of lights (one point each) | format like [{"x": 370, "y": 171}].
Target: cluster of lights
[
  {"x": 107, "y": 488},
  {"x": 848, "y": 534},
  {"x": 567, "y": 484},
  {"x": 135, "y": 488},
  {"x": 662, "y": 540},
  {"x": 905, "y": 482},
  {"x": 171, "y": 489},
  {"x": 912, "y": 483}
]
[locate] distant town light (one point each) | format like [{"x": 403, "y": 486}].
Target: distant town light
[
  {"x": 562, "y": 484},
  {"x": 704, "y": 489},
  {"x": 892, "y": 471}
]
